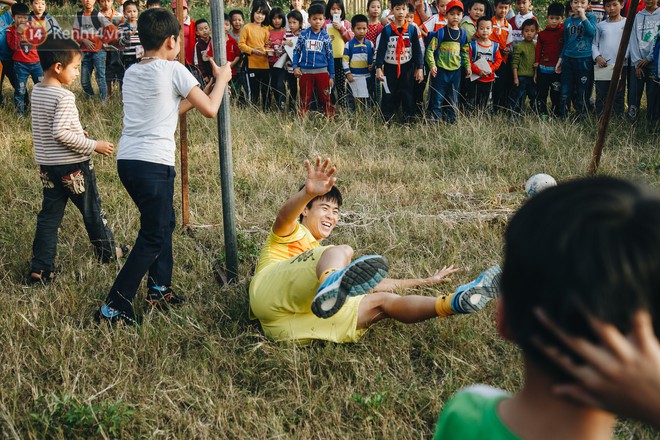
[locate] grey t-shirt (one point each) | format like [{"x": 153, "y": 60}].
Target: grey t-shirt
[{"x": 152, "y": 92}]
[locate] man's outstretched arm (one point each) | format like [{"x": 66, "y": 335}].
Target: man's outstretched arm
[
  {"x": 320, "y": 180},
  {"x": 392, "y": 285}
]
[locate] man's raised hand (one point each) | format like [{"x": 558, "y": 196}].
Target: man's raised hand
[{"x": 320, "y": 177}]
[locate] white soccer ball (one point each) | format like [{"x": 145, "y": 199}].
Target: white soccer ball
[{"x": 539, "y": 182}]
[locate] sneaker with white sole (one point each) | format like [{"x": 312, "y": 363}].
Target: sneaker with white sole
[
  {"x": 474, "y": 296},
  {"x": 359, "y": 277}
]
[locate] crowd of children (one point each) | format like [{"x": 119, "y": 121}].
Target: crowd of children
[{"x": 422, "y": 60}]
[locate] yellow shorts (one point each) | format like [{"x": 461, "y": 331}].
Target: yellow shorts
[{"x": 281, "y": 299}]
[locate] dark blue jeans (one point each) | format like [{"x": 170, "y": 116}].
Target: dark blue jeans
[
  {"x": 548, "y": 84},
  {"x": 93, "y": 61},
  {"x": 61, "y": 183},
  {"x": 576, "y": 83},
  {"x": 23, "y": 71},
  {"x": 445, "y": 86},
  {"x": 602, "y": 88},
  {"x": 151, "y": 186},
  {"x": 525, "y": 89}
]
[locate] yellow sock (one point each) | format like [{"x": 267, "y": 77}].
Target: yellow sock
[
  {"x": 325, "y": 274},
  {"x": 443, "y": 306}
]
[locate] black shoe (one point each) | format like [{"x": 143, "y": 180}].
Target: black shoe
[
  {"x": 113, "y": 316},
  {"x": 162, "y": 297},
  {"x": 43, "y": 277}
]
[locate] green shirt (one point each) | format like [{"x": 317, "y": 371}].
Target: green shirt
[
  {"x": 472, "y": 415},
  {"x": 524, "y": 53},
  {"x": 447, "y": 54}
]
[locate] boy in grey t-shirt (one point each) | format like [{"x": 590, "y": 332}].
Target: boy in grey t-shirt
[{"x": 145, "y": 159}]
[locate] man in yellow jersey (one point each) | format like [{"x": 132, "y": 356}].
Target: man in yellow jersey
[{"x": 303, "y": 291}]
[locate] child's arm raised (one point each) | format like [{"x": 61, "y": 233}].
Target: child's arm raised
[
  {"x": 320, "y": 180},
  {"x": 208, "y": 105}
]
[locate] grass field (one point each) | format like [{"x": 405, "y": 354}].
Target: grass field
[{"x": 422, "y": 195}]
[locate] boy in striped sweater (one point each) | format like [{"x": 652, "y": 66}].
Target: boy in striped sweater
[
  {"x": 358, "y": 61},
  {"x": 129, "y": 39},
  {"x": 62, "y": 150}
]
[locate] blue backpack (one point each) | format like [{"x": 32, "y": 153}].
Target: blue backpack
[
  {"x": 440, "y": 35},
  {"x": 473, "y": 47}
]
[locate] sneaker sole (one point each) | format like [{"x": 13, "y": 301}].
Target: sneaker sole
[
  {"x": 476, "y": 298},
  {"x": 361, "y": 277}
]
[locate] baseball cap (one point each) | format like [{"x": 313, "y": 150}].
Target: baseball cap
[{"x": 453, "y": 4}]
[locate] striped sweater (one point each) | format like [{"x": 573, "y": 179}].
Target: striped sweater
[
  {"x": 358, "y": 57},
  {"x": 57, "y": 135}
]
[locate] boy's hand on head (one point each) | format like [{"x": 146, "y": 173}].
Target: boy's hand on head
[
  {"x": 221, "y": 73},
  {"x": 618, "y": 373},
  {"x": 104, "y": 148},
  {"x": 320, "y": 177}
]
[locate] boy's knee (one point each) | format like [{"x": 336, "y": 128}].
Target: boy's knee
[{"x": 346, "y": 251}]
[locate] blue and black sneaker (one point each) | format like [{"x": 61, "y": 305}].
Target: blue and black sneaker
[
  {"x": 113, "y": 316},
  {"x": 474, "y": 296},
  {"x": 162, "y": 297},
  {"x": 359, "y": 277}
]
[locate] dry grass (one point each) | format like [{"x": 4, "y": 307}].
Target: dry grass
[{"x": 422, "y": 195}]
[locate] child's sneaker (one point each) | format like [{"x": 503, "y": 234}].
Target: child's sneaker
[
  {"x": 474, "y": 296},
  {"x": 359, "y": 277},
  {"x": 162, "y": 297},
  {"x": 113, "y": 316}
]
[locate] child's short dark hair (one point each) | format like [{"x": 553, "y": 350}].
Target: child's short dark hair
[
  {"x": 200, "y": 21},
  {"x": 275, "y": 13},
  {"x": 20, "y": 9},
  {"x": 153, "y": 2},
  {"x": 610, "y": 1},
  {"x": 334, "y": 195},
  {"x": 155, "y": 26},
  {"x": 482, "y": 19},
  {"x": 359, "y": 18},
  {"x": 411, "y": 8},
  {"x": 236, "y": 11},
  {"x": 226, "y": 17},
  {"x": 316, "y": 8},
  {"x": 371, "y": 1},
  {"x": 395, "y": 3},
  {"x": 530, "y": 22},
  {"x": 503, "y": 2},
  {"x": 296, "y": 15},
  {"x": 129, "y": 3},
  {"x": 480, "y": 2},
  {"x": 590, "y": 245},
  {"x": 556, "y": 9},
  {"x": 329, "y": 6},
  {"x": 259, "y": 6},
  {"x": 57, "y": 49}
]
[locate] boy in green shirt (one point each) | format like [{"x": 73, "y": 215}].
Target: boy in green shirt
[
  {"x": 590, "y": 246},
  {"x": 524, "y": 54},
  {"x": 446, "y": 53}
]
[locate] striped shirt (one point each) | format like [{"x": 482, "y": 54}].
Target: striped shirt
[
  {"x": 57, "y": 135},
  {"x": 131, "y": 49},
  {"x": 358, "y": 57}
]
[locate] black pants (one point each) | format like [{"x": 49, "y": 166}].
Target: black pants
[
  {"x": 258, "y": 81},
  {"x": 61, "y": 183},
  {"x": 479, "y": 93},
  {"x": 602, "y": 88},
  {"x": 151, "y": 186},
  {"x": 339, "y": 90},
  {"x": 278, "y": 87},
  {"x": 401, "y": 91},
  {"x": 7, "y": 72},
  {"x": 502, "y": 87},
  {"x": 548, "y": 84}
]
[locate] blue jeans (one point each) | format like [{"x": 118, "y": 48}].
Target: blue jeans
[
  {"x": 525, "y": 89},
  {"x": 576, "y": 80},
  {"x": 444, "y": 98},
  {"x": 151, "y": 186},
  {"x": 23, "y": 71},
  {"x": 93, "y": 61},
  {"x": 61, "y": 183}
]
